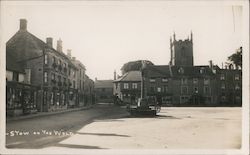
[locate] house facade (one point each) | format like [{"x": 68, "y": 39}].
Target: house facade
[
  {"x": 104, "y": 91},
  {"x": 54, "y": 74}
]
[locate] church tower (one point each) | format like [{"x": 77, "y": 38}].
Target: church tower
[{"x": 181, "y": 51}]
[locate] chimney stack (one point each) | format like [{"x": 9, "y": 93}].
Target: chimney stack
[
  {"x": 49, "y": 42},
  {"x": 59, "y": 45},
  {"x": 69, "y": 53},
  {"x": 115, "y": 75},
  {"x": 23, "y": 24}
]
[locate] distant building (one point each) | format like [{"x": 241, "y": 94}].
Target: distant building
[
  {"x": 181, "y": 83},
  {"x": 89, "y": 91},
  {"x": 104, "y": 91},
  {"x": 128, "y": 86}
]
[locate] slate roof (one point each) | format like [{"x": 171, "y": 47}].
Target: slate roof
[
  {"x": 130, "y": 76},
  {"x": 24, "y": 45},
  {"x": 175, "y": 71},
  {"x": 104, "y": 84}
]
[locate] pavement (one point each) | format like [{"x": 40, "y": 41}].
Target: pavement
[{"x": 41, "y": 114}]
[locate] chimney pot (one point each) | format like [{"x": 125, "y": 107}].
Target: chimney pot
[
  {"x": 23, "y": 24},
  {"x": 49, "y": 41}
]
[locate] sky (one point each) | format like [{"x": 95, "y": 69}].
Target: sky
[{"x": 104, "y": 35}]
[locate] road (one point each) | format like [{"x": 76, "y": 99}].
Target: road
[{"x": 111, "y": 127}]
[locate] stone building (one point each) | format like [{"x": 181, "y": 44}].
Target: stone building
[
  {"x": 80, "y": 81},
  {"x": 21, "y": 96},
  {"x": 53, "y": 73},
  {"x": 181, "y": 83},
  {"x": 89, "y": 91},
  {"x": 104, "y": 91},
  {"x": 128, "y": 87}
]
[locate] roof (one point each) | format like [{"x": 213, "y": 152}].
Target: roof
[
  {"x": 158, "y": 71},
  {"x": 178, "y": 71},
  {"x": 104, "y": 83},
  {"x": 130, "y": 76},
  {"x": 24, "y": 45}
]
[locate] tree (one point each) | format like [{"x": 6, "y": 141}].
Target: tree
[
  {"x": 134, "y": 65},
  {"x": 236, "y": 58}
]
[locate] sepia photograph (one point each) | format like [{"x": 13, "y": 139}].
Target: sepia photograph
[{"x": 124, "y": 77}]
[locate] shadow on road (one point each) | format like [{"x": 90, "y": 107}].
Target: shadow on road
[
  {"x": 78, "y": 146},
  {"x": 102, "y": 134}
]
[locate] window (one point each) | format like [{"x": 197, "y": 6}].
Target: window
[
  {"x": 206, "y": 90},
  {"x": 74, "y": 84},
  {"x": 184, "y": 90},
  {"x": 159, "y": 89},
  {"x": 125, "y": 86},
  {"x": 237, "y": 77},
  {"x": 206, "y": 81},
  {"x": 45, "y": 77},
  {"x": 45, "y": 59},
  {"x": 223, "y": 86},
  {"x": 195, "y": 89},
  {"x": 164, "y": 80},
  {"x": 152, "y": 89},
  {"x": 165, "y": 88},
  {"x": 184, "y": 81},
  {"x": 202, "y": 70},
  {"x": 151, "y": 80},
  {"x": 222, "y": 77},
  {"x": 195, "y": 81},
  {"x": 134, "y": 85},
  {"x": 237, "y": 87}
]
